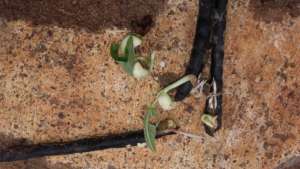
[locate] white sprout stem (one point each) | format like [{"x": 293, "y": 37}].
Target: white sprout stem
[
  {"x": 199, "y": 86},
  {"x": 213, "y": 99},
  {"x": 178, "y": 83},
  {"x": 152, "y": 59},
  {"x": 214, "y": 87},
  {"x": 213, "y": 95},
  {"x": 211, "y": 102}
]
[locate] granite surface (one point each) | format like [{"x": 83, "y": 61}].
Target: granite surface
[{"x": 58, "y": 83}]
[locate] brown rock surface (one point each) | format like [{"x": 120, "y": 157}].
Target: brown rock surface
[{"x": 58, "y": 82}]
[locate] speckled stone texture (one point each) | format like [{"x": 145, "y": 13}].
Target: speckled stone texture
[{"x": 58, "y": 83}]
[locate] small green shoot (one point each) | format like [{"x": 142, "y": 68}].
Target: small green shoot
[
  {"x": 150, "y": 129},
  {"x": 166, "y": 102},
  {"x": 163, "y": 98},
  {"x": 140, "y": 67},
  {"x": 114, "y": 49},
  {"x": 209, "y": 120},
  {"x": 124, "y": 54}
]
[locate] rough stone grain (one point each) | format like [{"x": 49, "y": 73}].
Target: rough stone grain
[{"x": 58, "y": 83}]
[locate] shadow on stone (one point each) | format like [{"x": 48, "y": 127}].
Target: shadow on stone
[
  {"x": 275, "y": 10},
  {"x": 91, "y": 15},
  {"x": 7, "y": 141},
  {"x": 167, "y": 78},
  {"x": 291, "y": 163}
]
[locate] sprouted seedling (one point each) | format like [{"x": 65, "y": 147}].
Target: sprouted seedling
[
  {"x": 166, "y": 103},
  {"x": 209, "y": 120},
  {"x": 164, "y": 99},
  {"x": 197, "y": 91},
  {"x": 124, "y": 54},
  {"x": 139, "y": 67}
]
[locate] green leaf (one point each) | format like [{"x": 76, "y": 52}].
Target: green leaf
[
  {"x": 115, "y": 55},
  {"x": 150, "y": 129},
  {"x": 136, "y": 42},
  {"x": 129, "y": 53}
]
